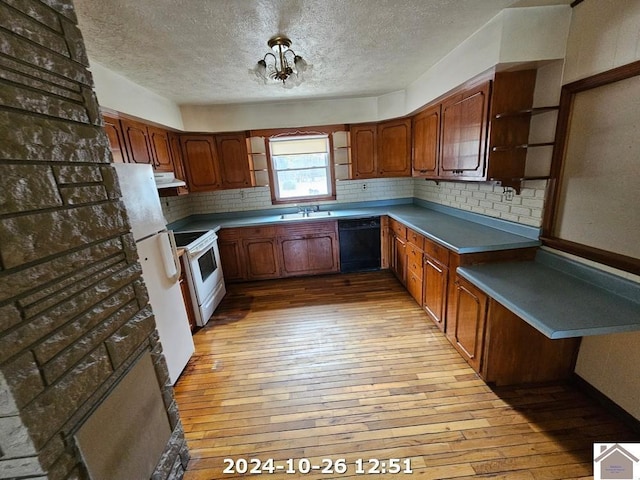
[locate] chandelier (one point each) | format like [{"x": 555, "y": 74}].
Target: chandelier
[{"x": 281, "y": 65}]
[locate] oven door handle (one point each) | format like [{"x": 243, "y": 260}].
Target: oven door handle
[
  {"x": 176, "y": 261},
  {"x": 197, "y": 253}
]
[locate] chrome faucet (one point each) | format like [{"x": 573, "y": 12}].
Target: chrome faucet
[{"x": 307, "y": 210}]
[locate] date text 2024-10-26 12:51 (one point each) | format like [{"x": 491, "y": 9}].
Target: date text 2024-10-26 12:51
[{"x": 371, "y": 466}]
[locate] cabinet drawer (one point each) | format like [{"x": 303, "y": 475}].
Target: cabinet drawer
[
  {"x": 436, "y": 252},
  {"x": 415, "y": 238},
  {"x": 414, "y": 259},
  {"x": 258, "y": 232},
  {"x": 398, "y": 228},
  {"x": 414, "y": 286},
  {"x": 307, "y": 228}
]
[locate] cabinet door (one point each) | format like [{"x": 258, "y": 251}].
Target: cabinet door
[
  {"x": 394, "y": 148},
  {"x": 426, "y": 131},
  {"x": 364, "y": 151},
  {"x": 116, "y": 140},
  {"x": 136, "y": 137},
  {"x": 161, "y": 149},
  {"x": 464, "y": 134},
  {"x": 261, "y": 258},
  {"x": 467, "y": 331},
  {"x": 385, "y": 242},
  {"x": 309, "y": 254},
  {"x": 414, "y": 265},
  {"x": 178, "y": 163},
  {"x": 231, "y": 257},
  {"x": 435, "y": 290},
  {"x": 414, "y": 286},
  {"x": 200, "y": 162},
  {"x": 234, "y": 160},
  {"x": 186, "y": 295},
  {"x": 399, "y": 258}
]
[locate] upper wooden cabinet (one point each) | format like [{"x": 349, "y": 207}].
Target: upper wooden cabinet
[
  {"x": 426, "y": 142},
  {"x": 381, "y": 150},
  {"x": 178, "y": 163},
  {"x": 200, "y": 162},
  {"x": 464, "y": 134},
  {"x": 136, "y": 138},
  {"x": 509, "y": 119},
  {"x": 116, "y": 140},
  {"x": 214, "y": 162},
  {"x": 136, "y": 142},
  {"x": 234, "y": 164},
  {"x": 394, "y": 148},
  {"x": 160, "y": 149},
  {"x": 364, "y": 151},
  {"x": 477, "y": 133}
]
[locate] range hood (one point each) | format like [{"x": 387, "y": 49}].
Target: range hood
[{"x": 167, "y": 180}]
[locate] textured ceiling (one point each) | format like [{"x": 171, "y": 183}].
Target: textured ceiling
[{"x": 200, "y": 51}]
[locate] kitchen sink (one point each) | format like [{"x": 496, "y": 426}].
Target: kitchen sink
[{"x": 305, "y": 215}]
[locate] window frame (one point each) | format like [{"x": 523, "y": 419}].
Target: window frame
[
  {"x": 298, "y": 134},
  {"x": 549, "y": 235}
]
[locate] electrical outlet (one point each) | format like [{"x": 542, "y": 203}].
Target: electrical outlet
[
  {"x": 364, "y": 186},
  {"x": 508, "y": 194}
]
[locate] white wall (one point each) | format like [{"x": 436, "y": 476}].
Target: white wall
[
  {"x": 605, "y": 34},
  {"x": 119, "y": 93},
  {"x": 519, "y": 35},
  {"x": 227, "y": 118}
]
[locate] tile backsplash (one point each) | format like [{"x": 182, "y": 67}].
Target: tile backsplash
[
  {"x": 486, "y": 199},
  {"x": 482, "y": 198}
]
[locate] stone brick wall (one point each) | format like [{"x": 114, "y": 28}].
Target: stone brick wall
[{"x": 74, "y": 313}]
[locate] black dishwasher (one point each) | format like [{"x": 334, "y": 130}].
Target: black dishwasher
[{"x": 359, "y": 244}]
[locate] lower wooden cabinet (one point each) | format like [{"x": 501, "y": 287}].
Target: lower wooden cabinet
[
  {"x": 414, "y": 265},
  {"x": 435, "y": 281},
  {"x": 310, "y": 254},
  {"x": 399, "y": 258},
  {"x": 186, "y": 295},
  {"x": 398, "y": 250},
  {"x": 503, "y": 348},
  {"x": 259, "y": 253},
  {"x": 248, "y": 253},
  {"x": 385, "y": 242},
  {"x": 261, "y": 257},
  {"x": 466, "y": 328},
  {"x": 414, "y": 286},
  {"x": 515, "y": 352},
  {"x": 231, "y": 254}
]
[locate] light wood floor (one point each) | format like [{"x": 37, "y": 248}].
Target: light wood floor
[{"x": 349, "y": 366}]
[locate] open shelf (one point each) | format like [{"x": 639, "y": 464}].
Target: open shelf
[
  {"x": 528, "y": 111},
  {"x": 524, "y": 146}
]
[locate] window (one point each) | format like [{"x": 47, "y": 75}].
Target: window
[{"x": 301, "y": 168}]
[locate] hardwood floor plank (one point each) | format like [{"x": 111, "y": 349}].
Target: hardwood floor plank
[{"x": 348, "y": 366}]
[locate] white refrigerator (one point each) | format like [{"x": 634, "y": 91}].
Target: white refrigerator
[{"x": 160, "y": 264}]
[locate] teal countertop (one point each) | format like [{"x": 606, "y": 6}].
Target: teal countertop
[
  {"x": 462, "y": 232},
  {"x": 559, "y": 297}
]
